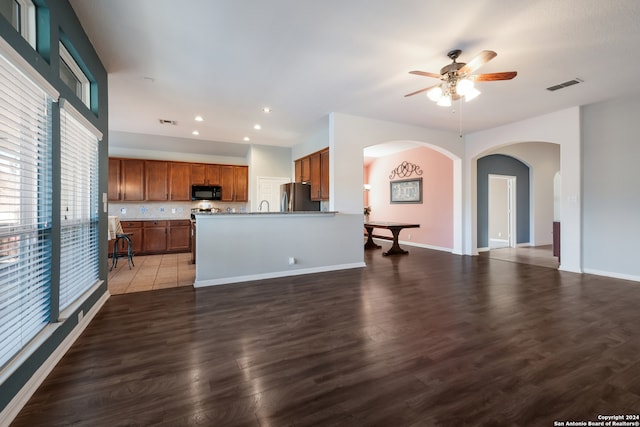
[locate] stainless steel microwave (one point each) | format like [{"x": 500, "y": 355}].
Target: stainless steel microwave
[{"x": 206, "y": 192}]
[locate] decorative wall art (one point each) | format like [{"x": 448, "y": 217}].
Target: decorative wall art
[
  {"x": 405, "y": 170},
  {"x": 406, "y": 191}
]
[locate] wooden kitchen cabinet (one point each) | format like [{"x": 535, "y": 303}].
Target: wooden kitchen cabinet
[
  {"x": 205, "y": 174},
  {"x": 302, "y": 170},
  {"x": 126, "y": 180},
  {"x": 114, "y": 179},
  {"x": 156, "y": 176},
  {"x": 235, "y": 183},
  {"x": 134, "y": 230},
  {"x": 179, "y": 181},
  {"x": 161, "y": 236},
  {"x": 324, "y": 174},
  {"x": 319, "y": 174},
  {"x": 137, "y": 180},
  {"x": 179, "y": 236},
  {"x": 154, "y": 237},
  {"x": 242, "y": 183},
  {"x": 316, "y": 166},
  {"x": 314, "y": 162}
]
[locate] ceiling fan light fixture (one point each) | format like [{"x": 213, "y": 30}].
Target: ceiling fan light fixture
[
  {"x": 464, "y": 86},
  {"x": 444, "y": 101},
  {"x": 471, "y": 94},
  {"x": 435, "y": 93}
]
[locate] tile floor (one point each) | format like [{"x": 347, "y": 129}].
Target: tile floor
[
  {"x": 151, "y": 272},
  {"x": 535, "y": 255}
]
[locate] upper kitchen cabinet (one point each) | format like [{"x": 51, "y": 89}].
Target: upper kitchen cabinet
[
  {"x": 318, "y": 173},
  {"x": 303, "y": 170},
  {"x": 114, "y": 179},
  {"x": 168, "y": 180},
  {"x": 157, "y": 173},
  {"x": 137, "y": 180},
  {"x": 203, "y": 174},
  {"x": 126, "y": 180},
  {"x": 324, "y": 174},
  {"x": 235, "y": 183},
  {"x": 179, "y": 181}
]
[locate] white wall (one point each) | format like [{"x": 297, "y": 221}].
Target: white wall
[
  {"x": 611, "y": 199},
  {"x": 543, "y": 160},
  {"x": 317, "y": 140},
  {"x": 267, "y": 162},
  {"x": 561, "y": 127}
]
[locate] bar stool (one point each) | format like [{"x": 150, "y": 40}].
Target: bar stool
[{"x": 116, "y": 233}]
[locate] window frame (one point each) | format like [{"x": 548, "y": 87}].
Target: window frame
[
  {"x": 81, "y": 77},
  {"x": 24, "y": 13}
]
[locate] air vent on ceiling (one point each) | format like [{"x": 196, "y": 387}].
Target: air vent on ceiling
[
  {"x": 565, "y": 84},
  {"x": 168, "y": 122}
]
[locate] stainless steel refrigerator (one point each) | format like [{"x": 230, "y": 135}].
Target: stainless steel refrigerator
[{"x": 296, "y": 196}]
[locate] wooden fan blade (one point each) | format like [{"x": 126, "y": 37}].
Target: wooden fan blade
[
  {"x": 490, "y": 77},
  {"x": 478, "y": 61},
  {"x": 420, "y": 91},
  {"x": 425, "y": 74}
]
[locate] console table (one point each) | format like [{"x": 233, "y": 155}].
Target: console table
[{"x": 395, "y": 228}]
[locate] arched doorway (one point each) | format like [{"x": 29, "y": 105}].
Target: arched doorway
[
  {"x": 535, "y": 165},
  {"x": 436, "y": 211}
]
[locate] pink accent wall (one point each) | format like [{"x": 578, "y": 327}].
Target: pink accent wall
[{"x": 434, "y": 214}]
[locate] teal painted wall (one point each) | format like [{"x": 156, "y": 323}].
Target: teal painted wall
[{"x": 56, "y": 19}]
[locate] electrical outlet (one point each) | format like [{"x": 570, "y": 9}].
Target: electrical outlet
[
  {"x": 409, "y": 236},
  {"x": 292, "y": 260}
]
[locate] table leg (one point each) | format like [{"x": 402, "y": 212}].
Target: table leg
[
  {"x": 370, "y": 243},
  {"x": 395, "y": 248}
]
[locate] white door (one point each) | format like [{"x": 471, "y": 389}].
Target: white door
[{"x": 268, "y": 197}]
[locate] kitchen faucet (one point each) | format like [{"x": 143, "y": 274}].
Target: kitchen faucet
[{"x": 260, "y": 205}]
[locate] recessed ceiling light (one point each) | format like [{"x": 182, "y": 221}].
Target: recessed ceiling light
[
  {"x": 199, "y": 119},
  {"x": 257, "y": 126},
  {"x": 246, "y": 138},
  {"x": 195, "y": 132},
  {"x": 266, "y": 110}
]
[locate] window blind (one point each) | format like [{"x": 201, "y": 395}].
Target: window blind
[
  {"x": 79, "y": 202},
  {"x": 25, "y": 210}
]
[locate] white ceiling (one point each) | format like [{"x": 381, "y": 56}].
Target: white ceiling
[{"x": 226, "y": 59}]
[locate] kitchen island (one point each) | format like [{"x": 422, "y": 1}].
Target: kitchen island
[{"x": 238, "y": 247}]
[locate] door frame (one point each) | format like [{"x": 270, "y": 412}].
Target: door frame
[{"x": 511, "y": 208}]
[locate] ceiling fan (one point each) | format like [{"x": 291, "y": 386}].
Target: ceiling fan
[{"x": 458, "y": 79}]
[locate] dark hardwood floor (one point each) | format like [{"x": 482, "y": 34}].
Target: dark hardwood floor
[{"x": 428, "y": 339}]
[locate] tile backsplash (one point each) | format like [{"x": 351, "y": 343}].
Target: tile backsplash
[{"x": 166, "y": 210}]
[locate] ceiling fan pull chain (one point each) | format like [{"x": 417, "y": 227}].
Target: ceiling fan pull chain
[{"x": 460, "y": 118}]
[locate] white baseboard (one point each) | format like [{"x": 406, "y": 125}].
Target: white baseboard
[
  {"x": 417, "y": 245},
  {"x": 22, "y": 397},
  {"x": 275, "y": 274},
  {"x": 612, "y": 274}
]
